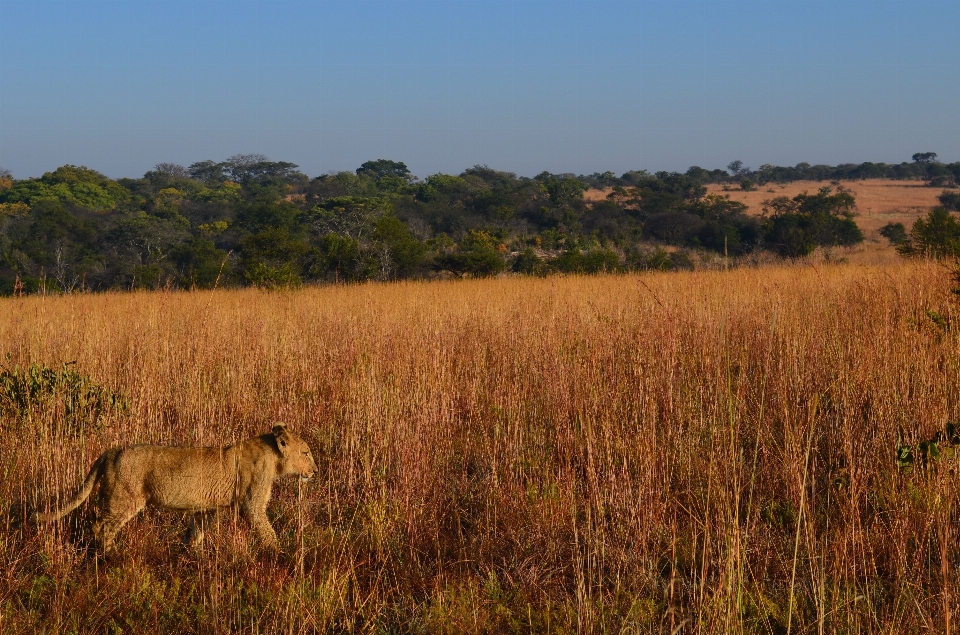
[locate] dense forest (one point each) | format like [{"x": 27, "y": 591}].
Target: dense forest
[{"x": 252, "y": 221}]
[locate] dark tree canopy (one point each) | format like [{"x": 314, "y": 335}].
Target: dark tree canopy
[
  {"x": 249, "y": 220},
  {"x": 385, "y": 168},
  {"x": 925, "y": 157},
  {"x": 937, "y": 235}
]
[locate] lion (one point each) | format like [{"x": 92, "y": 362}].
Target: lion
[{"x": 197, "y": 480}]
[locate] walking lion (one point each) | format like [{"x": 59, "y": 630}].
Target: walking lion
[{"x": 197, "y": 480}]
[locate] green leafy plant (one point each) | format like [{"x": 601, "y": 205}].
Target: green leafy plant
[
  {"x": 921, "y": 454},
  {"x": 80, "y": 401}
]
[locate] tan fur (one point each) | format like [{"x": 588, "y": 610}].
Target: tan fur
[{"x": 197, "y": 480}]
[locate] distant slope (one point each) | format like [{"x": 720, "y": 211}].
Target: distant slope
[{"x": 879, "y": 201}]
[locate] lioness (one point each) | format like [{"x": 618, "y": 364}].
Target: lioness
[{"x": 198, "y": 480}]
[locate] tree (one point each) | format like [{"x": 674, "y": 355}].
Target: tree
[
  {"x": 765, "y": 171},
  {"x": 698, "y": 174},
  {"x": 950, "y": 201},
  {"x": 562, "y": 189},
  {"x": 336, "y": 184},
  {"x": 925, "y": 157},
  {"x": 398, "y": 252},
  {"x": 172, "y": 169},
  {"x": 798, "y": 225},
  {"x": 672, "y": 226},
  {"x": 246, "y": 168},
  {"x": 478, "y": 254},
  {"x": 241, "y": 160},
  {"x": 339, "y": 258},
  {"x": 593, "y": 261},
  {"x": 528, "y": 262},
  {"x": 350, "y": 216},
  {"x": 145, "y": 239},
  {"x": 274, "y": 257},
  {"x": 936, "y": 236},
  {"x": 199, "y": 263},
  {"x": 207, "y": 171},
  {"x": 72, "y": 184},
  {"x": 737, "y": 169},
  {"x": 726, "y": 229},
  {"x": 896, "y": 233},
  {"x": 382, "y": 168},
  {"x": 168, "y": 201},
  {"x": 442, "y": 186},
  {"x": 262, "y": 215},
  {"x": 943, "y": 180},
  {"x": 789, "y": 235}
]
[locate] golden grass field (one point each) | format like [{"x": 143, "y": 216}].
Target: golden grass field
[
  {"x": 879, "y": 201},
  {"x": 701, "y": 452}
]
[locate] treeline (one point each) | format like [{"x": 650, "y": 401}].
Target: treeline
[
  {"x": 923, "y": 167},
  {"x": 252, "y": 221}
]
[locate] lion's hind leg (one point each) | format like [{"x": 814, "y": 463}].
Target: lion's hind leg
[
  {"x": 112, "y": 518},
  {"x": 199, "y": 523}
]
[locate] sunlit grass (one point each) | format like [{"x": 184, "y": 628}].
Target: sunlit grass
[{"x": 710, "y": 452}]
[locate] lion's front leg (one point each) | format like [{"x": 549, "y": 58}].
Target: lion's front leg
[
  {"x": 255, "y": 511},
  {"x": 261, "y": 527}
]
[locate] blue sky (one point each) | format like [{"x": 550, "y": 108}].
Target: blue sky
[{"x": 524, "y": 86}]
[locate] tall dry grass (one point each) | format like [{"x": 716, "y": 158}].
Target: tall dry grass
[{"x": 701, "y": 452}]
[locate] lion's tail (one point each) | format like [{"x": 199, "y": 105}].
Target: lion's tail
[{"x": 93, "y": 476}]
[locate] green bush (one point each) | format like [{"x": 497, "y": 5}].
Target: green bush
[
  {"x": 935, "y": 236},
  {"x": 478, "y": 254},
  {"x": 799, "y": 225},
  {"x": 593, "y": 261},
  {"x": 273, "y": 277},
  {"x": 950, "y": 201},
  {"x": 528, "y": 262},
  {"x": 896, "y": 233},
  {"x": 78, "y": 401}
]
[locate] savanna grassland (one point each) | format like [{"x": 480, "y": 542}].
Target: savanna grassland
[
  {"x": 696, "y": 452},
  {"x": 879, "y": 201}
]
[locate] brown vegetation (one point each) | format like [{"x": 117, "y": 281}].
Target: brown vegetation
[{"x": 700, "y": 452}]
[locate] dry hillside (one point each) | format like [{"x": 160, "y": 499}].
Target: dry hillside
[{"x": 879, "y": 201}]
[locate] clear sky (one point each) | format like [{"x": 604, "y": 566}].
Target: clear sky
[{"x": 523, "y": 85}]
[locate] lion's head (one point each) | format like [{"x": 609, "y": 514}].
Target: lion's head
[{"x": 297, "y": 457}]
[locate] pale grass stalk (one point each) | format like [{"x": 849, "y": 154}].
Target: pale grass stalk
[{"x": 803, "y": 497}]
